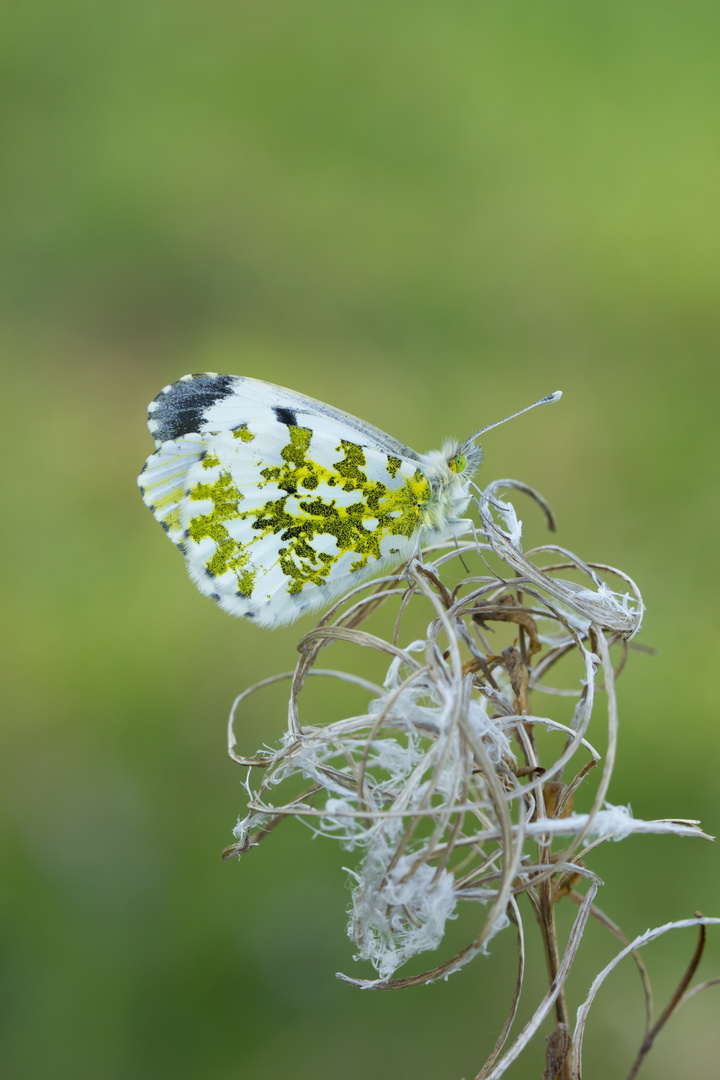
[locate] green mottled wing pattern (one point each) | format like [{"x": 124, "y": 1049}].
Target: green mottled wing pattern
[
  {"x": 285, "y": 507},
  {"x": 283, "y": 523}
]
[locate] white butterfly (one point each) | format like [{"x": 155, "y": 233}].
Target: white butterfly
[{"x": 280, "y": 503}]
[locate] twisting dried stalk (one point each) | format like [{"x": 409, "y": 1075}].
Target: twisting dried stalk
[{"x": 441, "y": 785}]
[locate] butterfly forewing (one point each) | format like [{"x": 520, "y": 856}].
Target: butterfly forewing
[{"x": 211, "y": 403}]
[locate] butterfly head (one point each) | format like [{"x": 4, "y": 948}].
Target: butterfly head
[
  {"x": 448, "y": 472},
  {"x": 463, "y": 460},
  {"x": 454, "y": 466}
]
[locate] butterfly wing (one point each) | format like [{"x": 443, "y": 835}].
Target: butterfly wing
[
  {"x": 208, "y": 403},
  {"x": 279, "y": 503}
]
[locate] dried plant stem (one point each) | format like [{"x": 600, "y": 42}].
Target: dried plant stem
[
  {"x": 546, "y": 909},
  {"x": 637, "y": 943},
  {"x": 672, "y": 1005}
]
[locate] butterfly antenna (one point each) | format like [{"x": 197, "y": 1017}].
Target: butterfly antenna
[{"x": 547, "y": 400}]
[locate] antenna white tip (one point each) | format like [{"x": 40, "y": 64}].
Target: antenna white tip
[{"x": 547, "y": 400}]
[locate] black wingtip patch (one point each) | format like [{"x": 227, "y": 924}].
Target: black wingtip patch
[
  {"x": 285, "y": 416},
  {"x": 179, "y": 410}
]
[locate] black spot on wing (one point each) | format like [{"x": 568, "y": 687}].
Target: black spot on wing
[
  {"x": 285, "y": 416},
  {"x": 180, "y": 409}
]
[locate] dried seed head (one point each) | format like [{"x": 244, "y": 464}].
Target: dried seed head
[{"x": 439, "y": 784}]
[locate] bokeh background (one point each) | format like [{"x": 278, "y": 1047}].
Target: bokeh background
[{"x": 427, "y": 214}]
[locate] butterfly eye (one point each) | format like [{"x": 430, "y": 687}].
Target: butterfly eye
[{"x": 458, "y": 463}]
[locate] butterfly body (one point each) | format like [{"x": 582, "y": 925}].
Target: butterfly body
[{"x": 281, "y": 503}]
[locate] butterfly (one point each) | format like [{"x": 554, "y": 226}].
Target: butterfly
[{"x": 280, "y": 503}]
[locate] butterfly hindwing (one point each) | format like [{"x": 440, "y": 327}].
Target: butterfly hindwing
[
  {"x": 284, "y": 518},
  {"x": 164, "y": 481}
]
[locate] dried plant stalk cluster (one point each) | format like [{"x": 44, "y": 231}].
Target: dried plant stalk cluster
[{"x": 439, "y": 786}]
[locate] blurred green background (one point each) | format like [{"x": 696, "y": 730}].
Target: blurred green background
[{"x": 427, "y": 214}]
